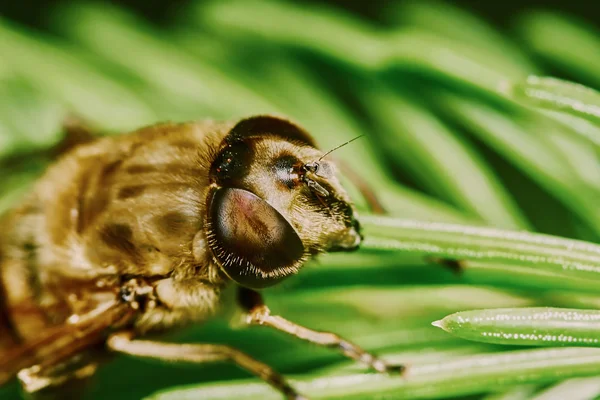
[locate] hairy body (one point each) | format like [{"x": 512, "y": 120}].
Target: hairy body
[
  {"x": 141, "y": 232},
  {"x": 124, "y": 206}
]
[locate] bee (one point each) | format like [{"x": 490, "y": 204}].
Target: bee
[{"x": 130, "y": 235}]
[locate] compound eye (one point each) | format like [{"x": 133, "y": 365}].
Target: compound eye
[
  {"x": 231, "y": 164},
  {"x": 254, "y": 244},
  {"x": 261, "y": 124}
]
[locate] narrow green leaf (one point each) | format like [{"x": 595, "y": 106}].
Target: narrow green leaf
[
  {"x": 577, "y": 153},
  {"x": 538, "y": 161},
  {"x": 572, "y": 389},
  {"x": 439, "y": 353},
  {"x": 34, "y": 120},
  {"x": 455, "y": 377},
  {"x": 54, "y": 69},
  {"x": 335, "y": 34},
  {"x": 450, "y": 21},
  {"x": 582, "y": 127},
  {"x": 379, "y": 303},
  {"x": 570, "y": 43},
  {"x": 525, "y": 277},
  {"x": 415, "y": 139},
  {"x": 523, "y": 392},
  {"x": 464, "y": 244},
  {"x": 557, "y": 95},
  {"x": 132, "y": 44},
  {"x": 537, "y": 326},
  {"x": 332, "y": 32}
]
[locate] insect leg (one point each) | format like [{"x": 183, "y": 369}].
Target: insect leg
[
  {"x": 67, "y": 380},
  {"x": 60, "y": 343},
  {"x": 123, "y": 342},
  {"x": 259, "y": 314}
]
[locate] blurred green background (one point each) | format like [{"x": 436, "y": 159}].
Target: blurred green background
[{"x": 454, "y": 133}]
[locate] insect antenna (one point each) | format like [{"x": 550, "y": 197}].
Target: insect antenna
[
  {"x": 339, "y": 147},
  {"x": 313, "y": 166}
]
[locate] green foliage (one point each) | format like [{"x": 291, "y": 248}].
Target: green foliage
[
  {"x": 489, "y": 171},
  {"x": 542, "y": 326}
]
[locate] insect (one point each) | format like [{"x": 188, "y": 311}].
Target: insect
[{"x": 138, "y": 233}]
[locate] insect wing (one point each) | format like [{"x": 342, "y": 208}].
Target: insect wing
[{"x": 64, "y": 341}]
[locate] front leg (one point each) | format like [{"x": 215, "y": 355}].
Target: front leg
[
  {"x": 124, "y": 342},
  {"x": 259, "y": 314},
  {"x": 64, "y": 381}
]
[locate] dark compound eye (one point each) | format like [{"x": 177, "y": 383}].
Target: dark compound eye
[
  {"x": 261, "y": 124},
  {"x": 253, "y": 242},
  {"x": 232, "y": 163}
]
